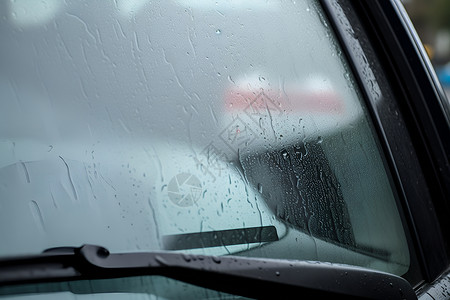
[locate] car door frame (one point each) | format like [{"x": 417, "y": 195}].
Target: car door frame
[{"x": 411, "y": 115}]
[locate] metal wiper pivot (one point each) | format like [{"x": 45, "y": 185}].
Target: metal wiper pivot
[{"x": 249, "y": 277}]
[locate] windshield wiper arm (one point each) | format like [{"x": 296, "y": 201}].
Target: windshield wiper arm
[{"x": 250, "y": 277}]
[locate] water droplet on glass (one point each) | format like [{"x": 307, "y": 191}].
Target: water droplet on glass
[
  {"x": 186, "y": 257},
  {"x": 103, "y": 252},
  {"x": 37, "y": 214},
  {"x": 319, "y": 140},
  {"x": 285, "y": 154},
  {"x": 161, "y": 260},
  {"x": 218, "y": 31},
  {"x": 260, "y": 188}
]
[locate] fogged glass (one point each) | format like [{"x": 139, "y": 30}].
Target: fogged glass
[{"x": 214, "y": 127}]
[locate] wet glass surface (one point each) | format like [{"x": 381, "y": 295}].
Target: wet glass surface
[{"x": 221, "y": 127}]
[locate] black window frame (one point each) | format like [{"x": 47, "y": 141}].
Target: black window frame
[{"x": 411, "y": 119}]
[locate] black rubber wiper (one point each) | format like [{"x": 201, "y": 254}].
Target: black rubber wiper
[{"x": 249, "y": 277}]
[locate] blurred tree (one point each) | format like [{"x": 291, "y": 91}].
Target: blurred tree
[
  {"x": 438, "y": 14},
  {"x": 431, "y": 18}
]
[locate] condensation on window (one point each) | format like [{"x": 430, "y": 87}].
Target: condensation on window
[{"x": 215, "y": 127}]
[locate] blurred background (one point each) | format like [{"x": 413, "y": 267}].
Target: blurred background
[{"x": 431, "y": 19}]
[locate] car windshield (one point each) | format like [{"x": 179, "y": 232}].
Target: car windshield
[{"x": 209, "y": 127}]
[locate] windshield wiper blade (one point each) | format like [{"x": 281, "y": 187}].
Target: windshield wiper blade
[{"x": 249, "y": 277}]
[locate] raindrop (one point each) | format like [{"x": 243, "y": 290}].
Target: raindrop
[
  {"x": 261, "y": 123},
  {"x": 285, "y": 154},
  {"x": 260, "y": 188},
  {"x": 27, "y": 175},
  {"x": 103, "y": 252},
  {"x": 70, "y": 178},
  {"x": 216, "y": 259},
  {"x": 218, "y": 31},
  {"x": 186, "y": 257},
  {"x": 37, "y": 214},
  {"x": 299, "y": 151},
  {"x": 161, "y": 260},
  {"x": 277, "y": 273},
  {"x": 319, "y": 140}
]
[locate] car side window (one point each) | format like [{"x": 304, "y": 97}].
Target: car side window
[{"x": 230, "y": 127}]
